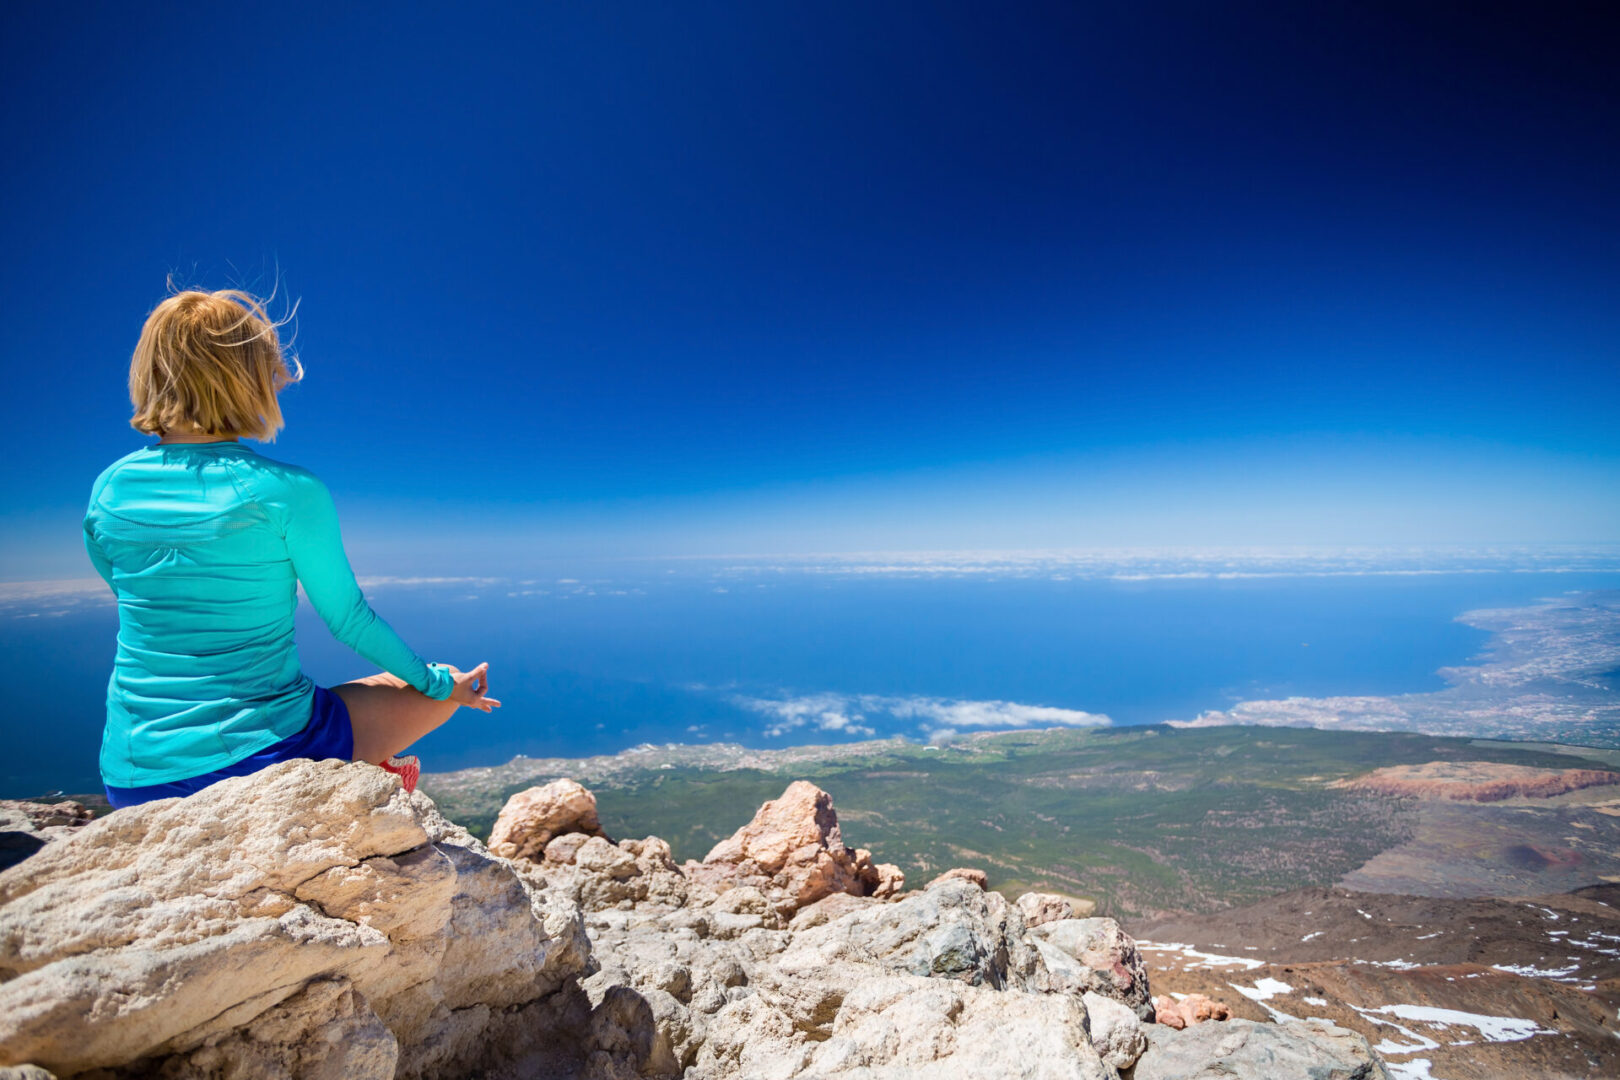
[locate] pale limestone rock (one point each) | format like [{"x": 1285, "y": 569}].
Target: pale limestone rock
[
  {"x": 1243, "y": 1048},
  {"x": 962, "y": 873},
  {"x": 531, "y": 818},
  {"x": 1095, "y": 955},
  {"x": 1116, "y": 1031},
  {"x": 25, "y": 1072},
  {"x": 167, "y": 929}
]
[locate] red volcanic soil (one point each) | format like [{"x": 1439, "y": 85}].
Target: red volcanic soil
[
  {"x": 1478, "y": 989},
  {"x": 1478, "y": 781}
]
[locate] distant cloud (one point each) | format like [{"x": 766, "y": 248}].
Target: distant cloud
[
  {"x": 1546, "y": 675},
  {"x": 860, "y": 714},
  {"x": 27, "y": 599},
  {"x": 1212, "y": 564}
]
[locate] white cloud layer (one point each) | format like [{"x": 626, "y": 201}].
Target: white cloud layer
[{"x": 861, "y": 714}]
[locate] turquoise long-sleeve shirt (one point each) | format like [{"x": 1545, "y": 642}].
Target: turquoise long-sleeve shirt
[{"x": 204, "y": 545}]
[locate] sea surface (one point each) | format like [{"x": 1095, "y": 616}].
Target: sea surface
[{"x": 601, "y": 661}]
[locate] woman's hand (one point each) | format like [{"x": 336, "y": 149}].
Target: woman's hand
[{"x": 472, "y": 688}]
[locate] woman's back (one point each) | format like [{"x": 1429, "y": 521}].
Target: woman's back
[{"x": 204, "y": 545}]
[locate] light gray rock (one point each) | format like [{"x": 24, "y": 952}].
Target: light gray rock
[
  {"x": 1095, "y": 955},
  {"x": 1315, "y": 1050},
  {"x": 1116, "y": 1031},
  {"x": 953, "y": 930}
]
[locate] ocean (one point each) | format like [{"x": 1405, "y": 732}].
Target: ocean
[{"x": 772, "y": 655}]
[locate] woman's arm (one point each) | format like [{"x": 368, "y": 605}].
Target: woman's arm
[{"x": 316, "y": 547}]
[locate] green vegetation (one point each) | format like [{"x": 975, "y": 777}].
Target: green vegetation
[{"x": 1142, "y": 820}]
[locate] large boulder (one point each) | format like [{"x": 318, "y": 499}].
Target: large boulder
[
  {"x": 1244, "y": 1048},
  {"x": 794, "y": 852},
  {"x": 953, "y": 930},
  {"x": 313, "y": 912},
  {"x": 530, "y": 819},
  {"x": 1095, "y": 955}
]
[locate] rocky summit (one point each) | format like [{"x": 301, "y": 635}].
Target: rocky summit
[{"x": 316, "y": 921}]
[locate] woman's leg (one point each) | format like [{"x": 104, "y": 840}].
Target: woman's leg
[{"x": 388, "y": 714}]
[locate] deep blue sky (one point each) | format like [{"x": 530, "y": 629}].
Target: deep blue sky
[{"x": 637, "y": 278}]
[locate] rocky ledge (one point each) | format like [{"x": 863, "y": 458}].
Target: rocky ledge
[{"x": 315, "y": 920}]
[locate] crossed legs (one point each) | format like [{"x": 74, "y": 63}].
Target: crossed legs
[{"x": 388, "y": 714}]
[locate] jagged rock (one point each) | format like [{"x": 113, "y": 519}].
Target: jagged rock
[
  {"x": 314, "y": 921},
  {"x": 44, "y": 815},
  {"x": 25, "y": 1072},
  {"x": 531, "y": 818},
  {"x": 596, "y": 874},
  {"x": 877, "y": 879},
  {"x": 1116, "y": 1031},
  {"x": 309, "y": 902},
  {"x": 1244, "y": 1048},
  {"x": 891, "y": 881},
  {"x": 793, "y": 852},
  {"x": 25, "y": 827},
  {"x": 324, "y": 1032},
  {"x": 562, "y": 849},
  {"x": 1095, "y": 955},
  {"x": 962, "y": 873},
  {"x": 1190, "y": 1010}
]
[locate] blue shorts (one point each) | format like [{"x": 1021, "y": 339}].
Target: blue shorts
[{"x": 327, "y": 735}]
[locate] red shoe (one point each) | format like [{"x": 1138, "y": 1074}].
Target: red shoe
[{"x": 407, "y": 768}]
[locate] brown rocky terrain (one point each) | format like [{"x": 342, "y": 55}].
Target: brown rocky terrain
[
  {"x": 1472, "y": 988},
  {"x": 1478, "y": 781},
  {"x": 314, "y": 920}
]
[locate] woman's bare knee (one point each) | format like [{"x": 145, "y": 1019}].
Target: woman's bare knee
[{"x": 386, "y": 718}]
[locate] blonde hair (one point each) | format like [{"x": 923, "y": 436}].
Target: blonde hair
[{"x": 210, "y": 364}]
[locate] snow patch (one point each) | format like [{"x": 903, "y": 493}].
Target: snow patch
[
  {"x": 1204, "y": 959},
  {"x": 1263, "y": 990},
  {"x": 1530, "y": 972},
  {"x": 1490, "y": 1028}
]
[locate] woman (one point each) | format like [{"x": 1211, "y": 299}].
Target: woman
[{"x": 204, "y": 543}]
